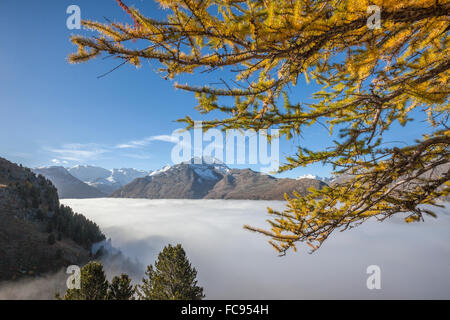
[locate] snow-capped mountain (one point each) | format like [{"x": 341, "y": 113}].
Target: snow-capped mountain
[
  {"x": 184, "y": 181},
  {"x": 211, "y": 179},
  {"x": 312, "y": 176},
  {"x": 206, "y": 165},
  {"x": 163, "y": 169},
  {"x": 126, "y": 175},
  {"x": 107, "y": 181},
  {"x": 197, "y": 178}
]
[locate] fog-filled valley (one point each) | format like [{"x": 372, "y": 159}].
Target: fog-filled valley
[{"x": 233, "y": 263}]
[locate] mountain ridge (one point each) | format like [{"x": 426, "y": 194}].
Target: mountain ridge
[
  {"x": 86, "y": 181},
  {"x": 190, "y": 180},
  {"x": 68, "y": 186},
  {"x": 196, "y": 178}
]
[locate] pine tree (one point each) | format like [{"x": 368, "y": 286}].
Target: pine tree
[
  {"x": 172, "y": 278},
  {"x": 94, "y": 285},
  {"x": 121, "y": 288},
  {"x": 370, "y": 80}
]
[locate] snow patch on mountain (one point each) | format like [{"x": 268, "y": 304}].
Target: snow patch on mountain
[
  {"x": 124, "y": 176},
  {"x": 106, "y": 180},
  {"x": 205, "y": 165},
  {"x": 164, "y": 169},
  {"x": 206, "y": 173},
  {"x": 312, "y": 176},
  {"x": 206, "y": 168}
]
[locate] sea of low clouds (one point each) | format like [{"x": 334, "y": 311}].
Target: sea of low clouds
[{"x": 233, "y": 263}]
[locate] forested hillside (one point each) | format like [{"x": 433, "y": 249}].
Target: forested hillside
[{"x": 37, "y": 234}]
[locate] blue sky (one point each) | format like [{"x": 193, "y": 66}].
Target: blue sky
[{"x": 54, "y": 112}]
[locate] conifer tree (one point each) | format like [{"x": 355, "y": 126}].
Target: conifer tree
[
  {"x": 172, "y": 278},
  {"x": 94, "y": 285},
  {"x": 370, "y": 80},
  {"x": 121, "y": 288}
]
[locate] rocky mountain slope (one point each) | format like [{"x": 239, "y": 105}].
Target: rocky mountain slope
[
  {"x": 37, "y": 234},
  {"x": 213, "y": 181},
  {"x": 69, "y": 186}
]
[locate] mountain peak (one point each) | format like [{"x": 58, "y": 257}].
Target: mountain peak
[
  {"x": 315, "y": 177},
  {"x": 190, "y": 180},
  {"x": 204, "y": 160},
  {"x": 54, "y": 169},
  {"x": 163, "y": 169},
  {"x": 68, "y": 186},
  {"x": 84, "y": 166}
]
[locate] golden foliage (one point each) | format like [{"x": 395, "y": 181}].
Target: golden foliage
[{"x": 370, "y": 80}]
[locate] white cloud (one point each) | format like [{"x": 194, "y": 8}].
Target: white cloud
[
  {"x": 165, "y": 138},
  {"x": 78, "y": 152},
  {"x": 82, "y": 153},
  {"x": 58, "y": 162},
  {"x": 135, "y": 144}
]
